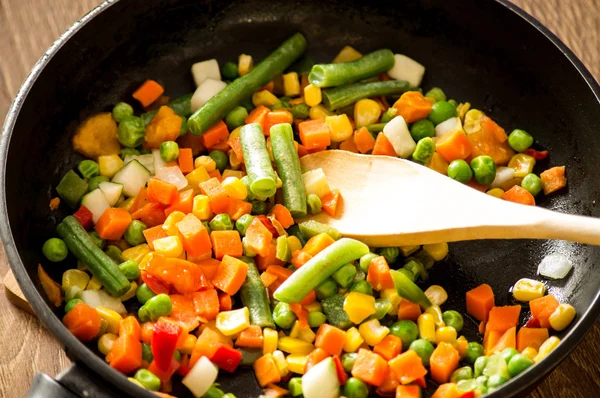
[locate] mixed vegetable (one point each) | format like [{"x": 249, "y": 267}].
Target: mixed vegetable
[{"x": 187, "y": 213}]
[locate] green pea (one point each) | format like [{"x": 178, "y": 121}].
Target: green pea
[
  {"x": 423, "y": 348},
  {"x": 128, "y": 152},
  {"x": 71, "y": 304},
  {"x": 479, "y": 365},
  {"x": 442, "y": 111},
  {"x": 355, "y": 388},
  {"x": 518, "y": 363},
  {"x": 177, "y": 355},
  {"x": 229, "y": 71},
  {"x": 55, "y": 250},
  {"x": 247, "y": 103},
  {"x": 295, "y": 386},
  {"x": 169, "y": 151},
  {"x": 316, "y": 319},
  {"x": 114, "y": 252},
  {"x": 424, "y": 150},
  {"x": 416, "y": 268},
  {"x": 236, "y": 117},
  {"x": 131, "y": 131},
  {"x": 496, "y": 380},
  {"x": 363, "y": 287},
  {"x": 147, "y": 354},
  {"x": 422, "y": 257},
  {"x": 220, "y": 159},
  {"x": 390, "y": 254},
  {"x": 519, "y": 140},
  {"x": 464, "y": 373},
  {"x": 147, "y": 379},
  {"x": 283, "y": 316},
  {"x": 94, "y": 182},
  {"x": 157, "y": 306},
  {"x": 121, "y": 111},
  {"x": 243, "y": 223},
  {"x": 144, "y": 151},
  {"x": 214, "y": 392},
  {"x": 464, "y": 386},
  {"x": 345, "y": 275},
  {"x": 365, "y": 261},
  {"x": 97, "y": 240},
  {"x": 508, "y": 353},
  {"x": 326, "y": 289},
  {"x": 532, "y": 183},
  {"x": 88, "y": 168},
  {"x": 300, "y": 111},
  {"x": 348, "y": 360},
  {"x": 460, "y": 171},
  {"x": 72, "y": 292},
  {"x": 221, "y": 222},
  {"x": 229, "y": 395},
  {"x": 382, "y": 306},
  {"x": 314, "y": 204},
  {"x": 130, "y": 269},
  {"x": 258, "y": 207},
  {"x": 484, "y": 169},
  {"x": 408, "y": 332},
  {"x": 453, "y": 102},
  {"x": 144, "y": 293},
  {"x": 437, "y": 94},
  {"x": 134, "y": 234},
  {"x": 388, "y": 115},
  {"x": 474, "y": 351},
  {"x": 454, "y": 319}
]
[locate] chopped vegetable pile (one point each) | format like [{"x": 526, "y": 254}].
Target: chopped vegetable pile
[{"x": 190, "y": 209}]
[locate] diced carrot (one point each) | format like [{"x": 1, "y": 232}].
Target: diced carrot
[
  {"x": 151, "y": 234},
  {"x": 266, "y": 370},
  {"x": 183, "y": 276},
  {"x": 218, "y": 199},
  {"x": 164, "y": 375},
  {"x": 258, "y": 115},
  {"x": 83, "y": 321},
  {"x": 112, "y": 223},
  {"x": 531, "y": 337},
  {"x": 480, "y": 301},
  {"x": 317, "y": 243},
  {"x": 258, "y": 237},
  {"x": 410, "y": 391},
  {"x": 194, "y": 235},
  {"x": 146, "y": 331},
  {"x": 389, "y": 385},
  {"x": 251, "y": 337},
  {"x": 209, "y": 267},
  {"x": 152, "y": 214},
  {"x": 276, "y": 117},
  {"x": 231, "y": 274},
  {"x": 490, "y": 140},
  {"x": 349, "y": 145},
  {"x": 379, "y": 274},
  {"x": 283, "y": 215},
  {"x": 447, "y": 390},
  {"x": 541, "y": 308},
  {"x": 280, "y": 272},
  {"x": 490, "y": 339},
  {"x": 214, "y": 135},
  {"x": 301, "y": 313},
  {"x": 443, "y": 361},
  {"x": 383, "y": 146},
  {"x": 161, "y": 192},
  {"x": 263, "y": 262},
  {"x": 184, "y": 312},
  {"x": 183, "y": 203},
  {"x": 301, "y": 149},
  {"x": 314, "y": 133},
  {"x": 370, "y": 367},
  {"x": 300, "y": 257},
  {"x": 330, "y": 202},
  {"x": 126, "y": 354},
  {"x": 407, "y": 367},
  {"x": 553, "y": 179},
  {"x": 408, "y": 310},
  {"x": 186, "y": 160},
  {"x": 520, "y": 195},
  {"x": 412, "y": 106},
  {"x": 130, "y": 326},
  {"x": 453, "y": 145},
  {"x": 316, "y": 356},
  {"x": 216, "y": 174},
  {"x": 236, "y": 147},
  {"x": 481, "y": 327},
  {"x": 274, "y": 391},
  {"x": 237, "y": 208},
  {"x": 477, "y": 186},
  {"x": 225, "y": 302},
  {"x": 193, "y": 142},
  {"x": 148, "y": 92},
  {"x": 140, "y": 200},
  {"x": 206, "y": 304},
  {"x": 164, "y": 126},
  {"x": 226, "y": 243},
  {"x": 331, "y": 339},
  {"x": 268, "y": 278},
  {"x": 206, "y": 345},
  {"x": 497, "y": 131},
  {"x": 309, "y": 298},
  {"x": 389, "y": 347},
  {"x": 364, "y": 140},
  {"x": 508, "y": 339},
  {"x": 503, "y": 318}
]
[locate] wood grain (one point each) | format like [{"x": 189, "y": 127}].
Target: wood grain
[{"x": 28, "y": 27}]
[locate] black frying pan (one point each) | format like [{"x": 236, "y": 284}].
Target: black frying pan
[{"x": 487, "y": 52}]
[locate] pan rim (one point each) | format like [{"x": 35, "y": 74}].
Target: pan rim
[{"x": 80, "y": 353}]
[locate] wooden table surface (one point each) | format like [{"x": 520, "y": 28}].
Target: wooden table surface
[{"x": 28, "y": 27}]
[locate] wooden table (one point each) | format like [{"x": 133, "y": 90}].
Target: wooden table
[{"x": 28, "y": 27}]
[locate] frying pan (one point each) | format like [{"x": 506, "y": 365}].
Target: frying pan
[{"x": 484, "y": 51}]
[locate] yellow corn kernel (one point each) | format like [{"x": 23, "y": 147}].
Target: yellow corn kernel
[
  {"x": 126, "y": 204},
  {"x": 130, "y": 293},
  {"x": 109, "y": 165},
  {"x": 546, "y": 348},
  {"x": 366, "y": 112},
  {"x": 462, "y": 344},
  {"x": 265, "y": 98},
  {"x": 270, "y": 340},
  {"x": 562, "y": 317},
  {"x": 436, "y": 294},
  {"x": 196, "y": 177},
  {"x": 462, "y": 110},
  {"x": 528, "y": 289},
  {"x": 347, "y": 54},
  {"x": 373, "y": 332},
  {"x": 306, "y": 334},
  {"x": 105, "y": 342},
  {"x": 145, "y": 261},
  {"x": 291, "y": 84},
  {"x": 294, "y": 243},
  {"x": 188, "y": 344},
  {"x": 523, "y": 164},
  {"x": 359, "y": 306},
  {"x": 340, "y": 127},
  {"x": 207, "y": 162},
  {"x": 296, "y": 363},
  {"x": 234, "y": 188},
  {"x": 438, "y": 163},
  {"x": 314, "y": 307},
  {"x": 319, "y": 112},
  {"x": 436, "y": 313},
  {"x": 74, "y": 277},
  {"x": 239, "y": 174},
  {"x": 408, "y": 250},
  {"x": 496, "y": 192},
  {"x": 136, "y": 253},
  {"x": 426, "y": 327},
  {"x": 281, "y": 363},
  {"x": 170, "y": 224},
  {"x": 235, "y": 133},
  {"x": 233, "y": 160},
  {"x": 278, "y": 181},
  {"x": 312, "y": 95},
  {"x": 201, "y": 208},
  {"x": 472, "y": 121},
  {"x": 245, "y": 64},
  {"x": 111, "y": 317},
  {"x": 529, "y": 352},
  {"x": 234, "y": 321},
  {"x": 395, "y": 299},
  {"x": 446, "y": 334},
  {"x": 94, "y": 284},
  {"x": 170, "y": 246},
  {"x": 294, "y": 346},
  {"x": 353, "y": 340},
  {"x": 437, "y": 251}
]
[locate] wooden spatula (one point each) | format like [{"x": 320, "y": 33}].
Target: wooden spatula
[{"x": 394, "y": 202}]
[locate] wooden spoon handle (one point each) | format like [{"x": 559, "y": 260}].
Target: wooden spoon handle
[{"x": 555, "y": 225}]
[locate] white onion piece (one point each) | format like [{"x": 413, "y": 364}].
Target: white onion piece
[
  {"x": 205, "y": 91},
  {"x": 201, "y": 377},
  {"x": 159, "y": 163},
  {"x": 208, "y": 69},
  {"x": 397, "y": 133},
  {"x": 321, "y": 381},
  {"x": 555, "y": 266},
  {"x": 503, "y": 174},
  {"x": 408, "y": 69},
  {"x": 448, "y": 126},
  {"x": 172, "y": 175},
  {"x": 99, "y": 298}
]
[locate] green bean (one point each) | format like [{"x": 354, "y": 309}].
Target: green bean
[
  {"x": 310, "y": 228},
  {"x": 97, "y": 239},
  {"x": 342, "y": 96},
  {"x": 302, "y": 65},
  {"x": 345, "y": 275},
  {"x": 376, "y": 128},
  {"x": 88, "y": 168},
  {"x": 258, "y": 164},
  {"x": 258, "y": 207},
  {"x": 331, "y": 75},
  {"x": 283, "y": 316},
  {"x": 390, "y": 254},
  {"x": 231, "y": 96},
  {"x": 362, "y": 287},
  {"x": 121, "y": 111},
  {"x": 325, "y": 289},
  {"x": 169, "y": 151},
  {"x": 130, "y": 269},
  {"x": 147, "y": 379},
  {"x": 144, "y": 293},
  {"x": 254, "y": 297},
  {"x": 288, "y": 167},
  {"x": 55, "y": 250},
  {"x": 408, "y": 290},
  {"x": 389, "y": 115},
  {"x": 365, "y": 261},
  {"x": 134, "y": 234},
  {"x": 416, "y": 268}
]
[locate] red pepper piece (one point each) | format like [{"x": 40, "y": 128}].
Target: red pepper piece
[
  {"x": 533, "y": 323},
  {"x": 339, "y": 369},
  {"x": 164, "y": 375},
  {"x": 267, "y": 223},
  {"x": 227, "y": 358},
  {"x": 468, "y": 394},
  {"x": 164, "y": 342},
  {"x": 537, "y": 155},
  {"x": 154, "y": 284},
  {"x": 84, "y": 216}
]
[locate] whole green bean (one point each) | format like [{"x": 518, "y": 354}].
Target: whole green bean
[
  {"x": 241, "y": 88},
  {"x": 339, "y": 97},
  {"x": 258, "y": 164},
  {"x": 288, "y": 166},
  {"x": 372, "y": 64},
  {"x": 319, "y": 268},
  {"x": 254, "y": 296},
  {"x": 408, "y": 290}
]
